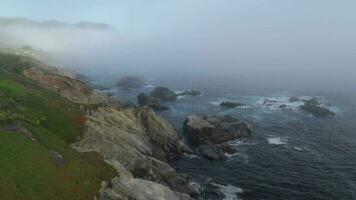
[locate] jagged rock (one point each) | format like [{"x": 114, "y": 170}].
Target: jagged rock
[
  {"x": 215, "y": 130},
  {"x": 164, "y": 94},
  {"x": 152, "y": 102},
  {"x": 190, "y": 93},
  {"x": 294, "y": 99},
  {"x": 227, "y": 148},
  {"x": 230, "y": 104},
  {"x": 130, "y": 82},
  {"x": 314, "y": 107},
  {"x": 139, "y": 142}
]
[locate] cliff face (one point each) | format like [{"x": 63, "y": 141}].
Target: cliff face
[{"x": 135, "y": 141}]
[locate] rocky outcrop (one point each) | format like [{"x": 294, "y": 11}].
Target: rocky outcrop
[
  {"x": 130, "y": 82},
  {"x": 216, "y": 130},
  {"x": 138, "y": 144},
  {"x": 230, "y": 104},
  {"x": 152, "y": 102},
  {"x": 211, "y": 132},
  {"x": 314, "y": 107},
  {"x": 190, "y": 93},
  {"x": 164, "y": 94},
  {"x": 72, "y": 89}
]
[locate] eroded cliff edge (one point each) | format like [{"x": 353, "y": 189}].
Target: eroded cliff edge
[{"x": 135, "y": 141}]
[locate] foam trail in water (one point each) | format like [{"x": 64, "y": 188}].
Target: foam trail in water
[{"x": 230, "y": 192}]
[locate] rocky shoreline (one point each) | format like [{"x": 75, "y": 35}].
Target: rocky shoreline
[{"x": 136, "y": 142}]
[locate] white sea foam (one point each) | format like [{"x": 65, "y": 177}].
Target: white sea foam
[
  {"x": 303, "y": 148},
  {"x": 231, "y": 192},
  {"x": 277, "y": 141},
  {"x": 148, "y": 86},
  {"x": 281, "y": 102},
  {"x": 191, "y": 156}
]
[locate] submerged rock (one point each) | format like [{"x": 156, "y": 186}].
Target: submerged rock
[
  {"x": 131, "y": 82},
  {"x": 164, "y": 94},
  {"x": 230, "y": 104},
  {"x": 190, "y": 93},
  {"x": 314, "y": 107},
  {"x": 152, "y": 102}
]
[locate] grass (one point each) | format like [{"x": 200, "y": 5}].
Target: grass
[{"x": 28, "y": 169}]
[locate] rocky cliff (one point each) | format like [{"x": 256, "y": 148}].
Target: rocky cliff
[{"x": 135, "y": 141}]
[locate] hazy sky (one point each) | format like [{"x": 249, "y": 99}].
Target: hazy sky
[{"x": 291, "y": 37}]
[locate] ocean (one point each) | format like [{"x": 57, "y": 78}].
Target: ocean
[{"x": 292, "y": 155}]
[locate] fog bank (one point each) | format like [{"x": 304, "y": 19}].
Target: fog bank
[{"x": 260, "y": 43}]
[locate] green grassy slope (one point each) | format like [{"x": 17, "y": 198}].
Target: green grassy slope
[{"x": 31, "y": 169}]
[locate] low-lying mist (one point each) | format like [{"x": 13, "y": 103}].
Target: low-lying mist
[{"x": 282, "y": 59}]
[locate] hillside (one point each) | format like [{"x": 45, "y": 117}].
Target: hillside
[
  {"x": 37, "y": 127},
  {"x": 47, "y": 118}
]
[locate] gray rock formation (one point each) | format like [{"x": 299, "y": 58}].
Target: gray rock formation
[
  {"x": 152, "y": 102},
  {"x": 314, "y": 107},
  {"x": 211, "y": 133},
  {"x": 164, "y": 94},
  {"x": 216, "y": 130},
  {"x": 137, "y": 143}
]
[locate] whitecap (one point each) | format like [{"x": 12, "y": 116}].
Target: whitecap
[
  {"x": 217, "y": 102},
  {"x": 230, "y": 192},
  {"x": 148, "y": 86},
  {"x": 181, "y": 97},
  {"x": 191, "y": 156},
  {"x": 277, "y": 141},
  {"x": 304, "y": 148}
]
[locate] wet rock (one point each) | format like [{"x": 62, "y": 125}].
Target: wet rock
[
  {"x": 164, "y": 94},
  {"x": 227, "y": 148},
  {"x": 212, "y": 152},
  {"x": 315, "y": 107},
  {"x": 131, "y": 82},
  {"x": 215, "y": 130},
  {"x": 230, "y": 104},
  {"x": 152, "y": 102}
]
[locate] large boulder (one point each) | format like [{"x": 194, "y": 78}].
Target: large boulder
[
  {"x": 215, "y": 130},
  {"x": 130, "y": 82},
  {"x": 316, "y": 108},
  {"x": 164, "y": 94},
  {"x": 152, "y": 102},
  {"x": 211, "y": 134}
]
